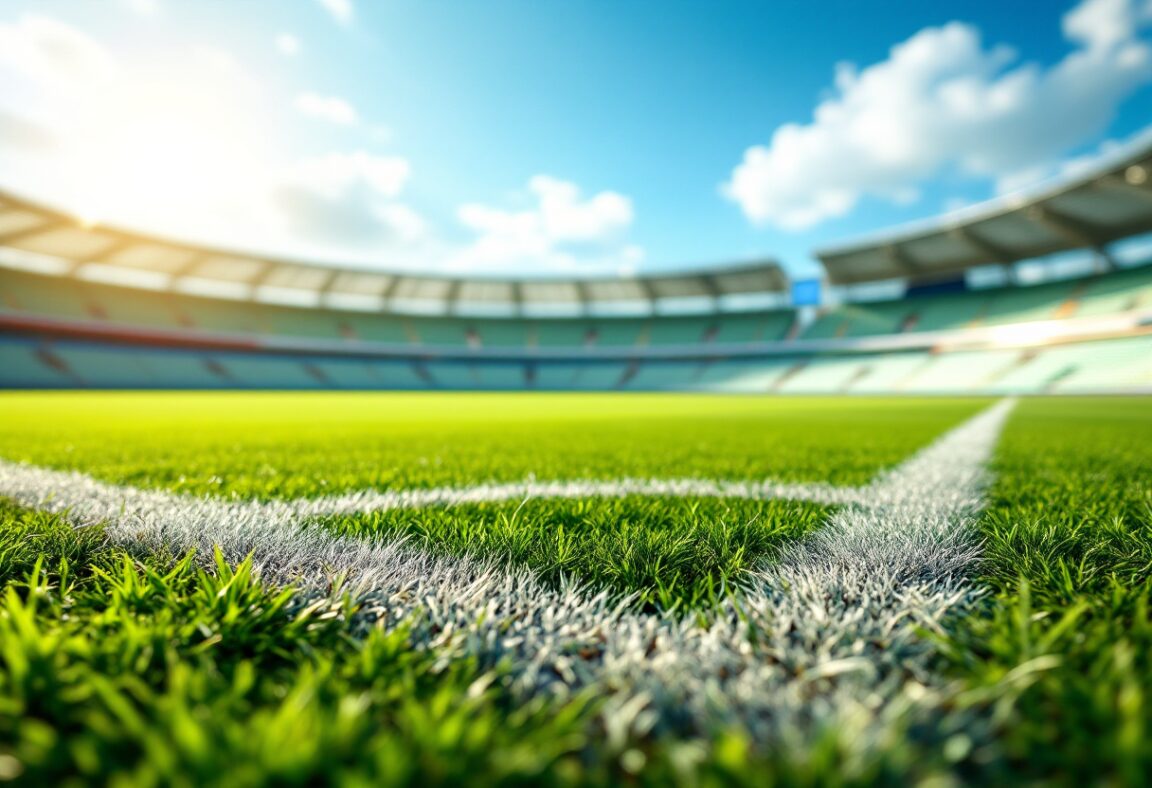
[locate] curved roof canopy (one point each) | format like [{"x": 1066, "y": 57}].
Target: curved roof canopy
[
  {"x": 49, "y": 240},
  {"x": 1091, "y": 210}
]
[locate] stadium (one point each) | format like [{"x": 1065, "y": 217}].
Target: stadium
[
  {"x": 89, "y": 306},
  {"x": 271, "y": 519}
]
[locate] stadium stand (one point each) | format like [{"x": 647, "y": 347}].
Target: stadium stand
[{"x": 84, "y": 305}]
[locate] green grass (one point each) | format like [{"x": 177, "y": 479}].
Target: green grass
[
  {"x": 148, "y": 670},
  {"x": 288, "y": 444},
  {"x": 1068, "y": 557},
  {"x": 664, "y": 553},
  {"x": 143, "y": 670}
]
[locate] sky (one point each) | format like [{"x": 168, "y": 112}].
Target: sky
[{"x": 530, "y": 138}]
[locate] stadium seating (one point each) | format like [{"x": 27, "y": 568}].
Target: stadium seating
[
  {"x": 501, "y": 333},
  {"x": 749, "y": 377},
  {"x": 1022, "y": 304},
  {"x": 662, "y": 375},
  {"x": 881, "y": 373},
  {"x": 1116, "y": 292},
  {"x": 1034, "y": 371},
  {"x": 599, "y": 376},
  {"x": 22, "y": 368},
  {"x": 823, "y": 376},
  {"x": 502, "y": 377},
  {"x": 681, "y": 331},
  {"x": 961, "y": 371},
  {"x": 559, "y": 333},
  {"x": 35, "y": 294},
  {"x": 765, "y": 327},
  {"x": 611, "y": 352},
  {"x": 1103, "y": 294},
  {"x": 1110, "y": 365},
  {"x": 356, "y": 374},
  {"x": 1123, "y": 364},
  {"x": 944, "y": 312}
]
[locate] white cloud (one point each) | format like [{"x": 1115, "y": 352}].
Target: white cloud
[
  {"x": 142, "y": 7},
  {"x": 329, "y": 108},
  {"x": 335, "y": 173},
  {"x": 942, "y": 100},
  {"x": 350, "y": 199},
  {"x": 184, "y": 148},
  {"x": 341, "y": 10},
  {"x": 170, "y": 141},
  {"x": 49, "y": 52},
  {"x": 288, "y": 44},
  {"x": 560, "y": 231},
  {"x": 189, "y": 146}
]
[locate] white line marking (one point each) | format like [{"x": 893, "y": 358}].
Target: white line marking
[
  {"x": 827, "y": 635},
  {"x": 374, "y": 500}
]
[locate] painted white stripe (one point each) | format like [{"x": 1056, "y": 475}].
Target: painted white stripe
[
  {"x": 374, "y": 500},
  {"x": 826, "y": 635}
]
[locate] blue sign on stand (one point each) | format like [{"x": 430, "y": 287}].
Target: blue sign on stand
[{"x": 806, "y": 292}]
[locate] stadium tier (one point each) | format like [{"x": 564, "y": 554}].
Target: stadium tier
[{"x": 85, "y": 305}]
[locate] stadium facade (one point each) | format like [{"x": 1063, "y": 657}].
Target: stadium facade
[{"x": 91, "y": 306}]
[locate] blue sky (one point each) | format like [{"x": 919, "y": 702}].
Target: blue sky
[{"x": 536, "y": 137}]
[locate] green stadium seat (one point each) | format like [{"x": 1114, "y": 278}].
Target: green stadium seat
[
  {"x": 1023, "y": 304},
  {"x": 599, "y": 376},
  {"x": 1119, "y": 291},
  {"x": 960, "y": 371},
  {"x": 664, "y": 376},
  {"x": 253, "y": 371},
  {"x": 823, "y": 376},
  {"x": 500, "y": 376},
  {"x": 44, "y": 296},
  {"x": 555, "y": 377},
  {"x": 618, "y": 332},
  {"x": 828, "y": 325},
  {"x": 441, "y": 332},
  {"x": 501, "y": 333},
  {"x": 20, "y": 367},
  {"x": 945, "y": 312},
  {"x": 680, "y": 330},
  {"x": 559, "y": 332},
  {"x": 751, "y": 376},
  {"x": 1107, "y": 365},
  {"x": 884, "y": 372},
  {"x": 453, "y": 375},
  {"x": 384, "y": 329}
]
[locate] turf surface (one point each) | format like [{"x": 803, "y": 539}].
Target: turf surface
[
  {"x": 290, "y": 444},
  {"x": 1064, "y": 652},
  {"x": 660, "y": 552},
  {"x": 152, "y": 670}
]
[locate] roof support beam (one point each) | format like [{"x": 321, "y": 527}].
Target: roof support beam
[
  {"x": 189, "y": 267},
  {"x": 7, "y": 239},
  {"x": 901, "y": 259},
  {"x": 1073, "y": 230},
  {"x": 709, "y": 283},
  {"x": 649, "y": 293},
  {"x": 389, "y": 288},
  {"x": 261, "y": 278},
  {"x": 1121, "y": 184},
  {"x": 582, "y": 297},
  {"x": 323, "y": 289},
  {"x": 257, "y": 281},
  {"x": 450, "y": 297},
  {"x": 994, "y": 252},
  {"x": 114, "y": 246},
  {"x": 517, "y": 299}
]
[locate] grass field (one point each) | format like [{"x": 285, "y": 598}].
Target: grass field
[{"x": 671, "y": 620}]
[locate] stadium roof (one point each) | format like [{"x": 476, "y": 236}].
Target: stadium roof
[
  {"x": 1091, "y": 210},
  {"x": 53, "y": 241}
]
